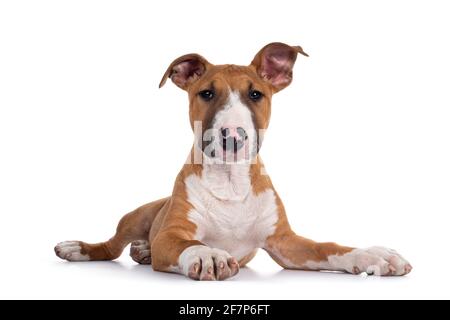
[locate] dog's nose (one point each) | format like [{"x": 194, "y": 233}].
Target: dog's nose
[{"x": 233, "y": 138}]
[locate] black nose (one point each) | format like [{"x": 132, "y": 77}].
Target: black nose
[{"x": 233, "y": 138}]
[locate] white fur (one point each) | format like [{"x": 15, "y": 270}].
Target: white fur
[
  {"x": 235, "y": 113},
  {"x": 227, "y": 182},
  {"x": 227, "y": 213},
  {"x": 373, "y": 260},
  {"x": 71, "y": 251}
]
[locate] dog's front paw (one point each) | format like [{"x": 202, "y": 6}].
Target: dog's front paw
[
  {"x": 204, "y": 263},
  {"x": 374, "y": 260}
]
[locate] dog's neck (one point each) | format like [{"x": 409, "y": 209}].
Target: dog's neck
[{"x": 228, "y": 182}]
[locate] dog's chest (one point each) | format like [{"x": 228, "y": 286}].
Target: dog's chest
[{"x": 237, "y": 226}]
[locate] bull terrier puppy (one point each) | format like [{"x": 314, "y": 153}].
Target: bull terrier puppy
[{"x": 223, "y": 207}]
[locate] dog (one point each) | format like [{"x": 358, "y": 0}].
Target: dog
[{"x": 223, "y": 207}]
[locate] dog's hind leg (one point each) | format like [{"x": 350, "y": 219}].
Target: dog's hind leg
[
  {"x": 140, "y": 252},
  {"x": 132, "y": 227}
]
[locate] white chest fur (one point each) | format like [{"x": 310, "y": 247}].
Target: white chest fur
[{"x": 228, "y": 215}]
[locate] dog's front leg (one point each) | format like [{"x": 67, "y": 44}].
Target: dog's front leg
[
  {"x": 294, "y": 252},
  {"x": 174, "y": 251}
]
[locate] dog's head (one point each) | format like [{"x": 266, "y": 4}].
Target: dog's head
[{"x": 229, "y": 105}]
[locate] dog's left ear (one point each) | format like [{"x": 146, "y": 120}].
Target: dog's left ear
[
  {"x": 274, "y": 64},
  {"x": 186, "y": 70}
]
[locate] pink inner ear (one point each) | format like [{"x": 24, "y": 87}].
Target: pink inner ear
[
  {"x": 186, "y": 71},
  {"x": 277, "y": 67}
]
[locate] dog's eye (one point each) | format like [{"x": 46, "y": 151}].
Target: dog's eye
[
  {"x": 255, "y": 95},
  {"x": 206, "y": 95}
]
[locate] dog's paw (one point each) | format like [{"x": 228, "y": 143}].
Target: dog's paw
[
  {"x": 140, "y": 252},
  {"x": 71, "y": 251},
  {"x": 374, "y": 260},
  {"x": 204, "y": 263}
]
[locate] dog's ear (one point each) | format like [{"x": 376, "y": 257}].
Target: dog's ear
[
  {"x": 186, "y": 70},
  {"x": 274, "y": 64}
]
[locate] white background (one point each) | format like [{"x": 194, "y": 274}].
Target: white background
[{"x": 358, "y": 145}]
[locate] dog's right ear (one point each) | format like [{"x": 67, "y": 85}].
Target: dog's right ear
[{"x": 186, "y": 70}]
